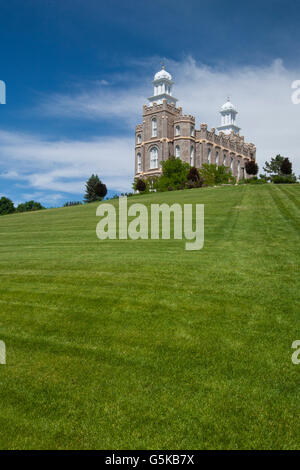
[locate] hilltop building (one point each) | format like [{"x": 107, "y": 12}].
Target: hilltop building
[{"x": 165, "y": 132}]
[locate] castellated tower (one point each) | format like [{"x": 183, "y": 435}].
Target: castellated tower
[{"x": 166, "y": 132}]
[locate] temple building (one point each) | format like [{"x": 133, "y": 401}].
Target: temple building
[{"x": 166, "y": 132}]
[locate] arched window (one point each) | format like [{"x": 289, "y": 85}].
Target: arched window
[
  {"x": 224, "y": 159},
  {"x": 208, "y": 155},
  {"x": 177, "y": 130},
  {"x": 238, "y": 169},
  {"x": 192, "y": 163},
  {"x": 153, "y": 158},
  {"x": 192, "y": 131},
  {"x": 154, "y": 127},
  {"x": 217, "y": 158},
  {"x": 139, "y": 163},
  {"x": 231, "y": 163},
  {"x": 139, "y": 138},
  {"x": 177, "y": 151}
]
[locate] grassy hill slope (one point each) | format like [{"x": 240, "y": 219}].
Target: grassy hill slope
[{"x": 141, "y": 344}]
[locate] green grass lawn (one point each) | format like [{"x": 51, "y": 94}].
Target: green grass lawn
[{"x": 143, "y": 345}]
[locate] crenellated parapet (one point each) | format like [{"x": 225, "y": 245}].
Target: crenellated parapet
[
  {"x": 164, "y": 106},
  {"x": 185, "y": 118},
  {"x": 166, "y": 132},
  {"x": 232, "y": 142}
]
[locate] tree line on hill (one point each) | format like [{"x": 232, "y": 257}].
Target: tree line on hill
[
  {"x": 8, "y": 207},
  {"x": 95, "y": 190},
  {"x": 177, "y": 175}
]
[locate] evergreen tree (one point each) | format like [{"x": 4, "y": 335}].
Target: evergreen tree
[
  {"x": 273, "y": 167},
  {"x": 95, "y": 190}
]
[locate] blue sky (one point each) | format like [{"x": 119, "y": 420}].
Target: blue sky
[{"x": 77, "y": 73}]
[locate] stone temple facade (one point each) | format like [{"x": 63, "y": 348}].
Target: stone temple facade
[{"x": 166, "y": 132}]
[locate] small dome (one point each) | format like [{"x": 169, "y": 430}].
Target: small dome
[
  {"x": 228, "y": 106},
  {"x": 162, "y": 74}
]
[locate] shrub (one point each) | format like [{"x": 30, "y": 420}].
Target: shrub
[
  {"x": 140, "y": 185},
  {"x": 72, "y": 203},
  {"x": 193, "y": 174},
  {"x": 194, "y": 180},
  {"x": 29, "y": 206},
  {"x": 281, "y": 179},
  {"x": 193, "y": 184},
  {"x": 286, "y": 167},
  {"x": 6, "y": 206},
  {"x": 251, "y": 167},
  {"x": 243, "y": 181},
  {"x": 212, "y": 174},
  {"x": 100, "y": 189},
  {"x": 255, "y": 180},
  {"x": 174, "y": 174}
]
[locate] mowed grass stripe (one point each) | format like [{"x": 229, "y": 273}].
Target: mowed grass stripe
[
  {"x": 123, "y": 344},
  {"x": 281, "y": 201}
]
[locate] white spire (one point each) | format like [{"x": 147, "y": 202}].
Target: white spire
[
  {"x": 162, "y": 87},
  {"x": 228, "y": 118}
]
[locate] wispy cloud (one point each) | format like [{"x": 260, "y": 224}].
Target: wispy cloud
[
  {"x": 262, "y": 95},
  {"x": 101, "y": 102},
  {"x": 64, "y": 166}
]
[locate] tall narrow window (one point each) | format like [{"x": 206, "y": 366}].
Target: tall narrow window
[
  {"x": 192, "y": 131},
  {"x": 231, "y": 163},
  {"x": 139, "y": 138},
  {"x": 154, "y": 158},
  {"x": 238, "y": 169},
  {"x": 224, "y": 159},
  {"x": 217, "y": 158},
  {"x": 154, "y": 127},
  {"x": 177, "y": 130},
  {"x": 139, "y": 163},
  {"x": 192, "y": 162},
  {"x": 208, "y": 155},
  {"x": 177, "y": 151}
]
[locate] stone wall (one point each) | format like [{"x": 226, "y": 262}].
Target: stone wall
[{"x": 230, "y": 150}]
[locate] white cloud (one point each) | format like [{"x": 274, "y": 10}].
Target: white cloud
[
  {"x": 262, "y": 95},
  {"x": 64, "y": 166},
  {"x": 101, "y": 102}
]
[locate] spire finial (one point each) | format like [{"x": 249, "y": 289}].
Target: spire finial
[
  {"x": 162, "y": 65},
  {"x": 228, "y": 98}
]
